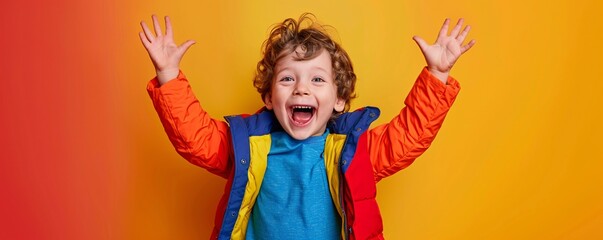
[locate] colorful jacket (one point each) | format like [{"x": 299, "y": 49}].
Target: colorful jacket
[{"x": 356, "y": 158}]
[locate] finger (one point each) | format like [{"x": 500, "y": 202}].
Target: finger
[
  {"x": 421, "y": 42},
  {"x": 186, "y": 45},
  {"x": 463, "y": 34},
  {"x": 147, "y": 32},
  {"x": 168, "y": 27},
  {"x": 444, "y": 29},
  {"x": 457, "y": 28},
  {"x": 468, "y": 46},
  {"x": 156, "y": 26},
  {"x": 144, "y": 40}
]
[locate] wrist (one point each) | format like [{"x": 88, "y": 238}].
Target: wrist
[
  {"x": 440, "y": 75},
  {"x": 164, "y": 76}
]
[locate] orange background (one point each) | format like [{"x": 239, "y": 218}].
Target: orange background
[{"x": 84, "y": 155}]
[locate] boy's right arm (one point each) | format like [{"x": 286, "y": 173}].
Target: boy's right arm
[{"x": 197, "y": 137}]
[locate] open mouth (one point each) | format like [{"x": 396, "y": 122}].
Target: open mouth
[{"x": 302, "y": 114}]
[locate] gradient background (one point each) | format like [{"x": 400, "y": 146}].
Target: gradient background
[{"x": 84, "y": 155}]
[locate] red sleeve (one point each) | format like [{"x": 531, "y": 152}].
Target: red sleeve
[
  {"x": 395, "y": 145},
  {"x": 197, "y": 137}
]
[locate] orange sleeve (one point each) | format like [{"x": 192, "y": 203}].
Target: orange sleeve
[
  {"x": 395, "y": 145},
  {"x": 197, "y": 137}
]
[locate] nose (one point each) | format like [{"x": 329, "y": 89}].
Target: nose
[{"x": 301, "y": 89}]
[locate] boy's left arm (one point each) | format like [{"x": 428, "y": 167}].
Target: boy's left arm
[{"x": 396, "y": 145}]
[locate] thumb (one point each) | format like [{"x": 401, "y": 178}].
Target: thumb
[
  {"x": 422, "y": 44},
  {"x": 186, "y": 45}
]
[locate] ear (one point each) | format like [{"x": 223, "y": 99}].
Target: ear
[
  {"x": 268, "y": 101},
  {"x": 339, "y": 105}
]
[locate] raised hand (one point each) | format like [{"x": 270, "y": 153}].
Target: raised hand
[
  {"x": 164, "y": 53},
  {"x": 447, "y": 49}
]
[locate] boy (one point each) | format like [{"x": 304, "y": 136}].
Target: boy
[{"x": 303, "y": 167}]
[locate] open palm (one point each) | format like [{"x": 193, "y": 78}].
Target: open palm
[
  {"x": 162, "y": 49},
  {"x": 447, "y": 49}
]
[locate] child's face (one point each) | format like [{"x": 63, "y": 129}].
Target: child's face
[{"x": 304, "y": 95}]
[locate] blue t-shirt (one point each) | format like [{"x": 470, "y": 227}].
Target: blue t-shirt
[{"x": 294, "y": 201}]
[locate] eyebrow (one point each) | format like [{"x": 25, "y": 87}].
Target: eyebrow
[
  {"x": 322, "y": 69},
  {"x": 313, "y": 68}
]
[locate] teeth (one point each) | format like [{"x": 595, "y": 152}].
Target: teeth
[{"x": 302, "y": 107}]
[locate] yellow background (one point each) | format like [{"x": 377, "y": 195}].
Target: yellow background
[{"x": 518, "y": 157}]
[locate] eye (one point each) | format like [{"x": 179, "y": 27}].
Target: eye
[
  {"x": 317, "y": 79},
  {"x": 286, "y": 79}
]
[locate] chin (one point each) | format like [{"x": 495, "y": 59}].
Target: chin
[{"x": 300, "y": 134}]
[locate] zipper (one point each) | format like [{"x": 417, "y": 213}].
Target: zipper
[{"x": 344, "y": 218}]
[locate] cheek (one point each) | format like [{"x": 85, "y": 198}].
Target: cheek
[
  {"x": 339, "y": 103},
  {"x": 277, "y": 99}
]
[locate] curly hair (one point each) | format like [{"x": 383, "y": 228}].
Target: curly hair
[{"x": 287, "y": 36}]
